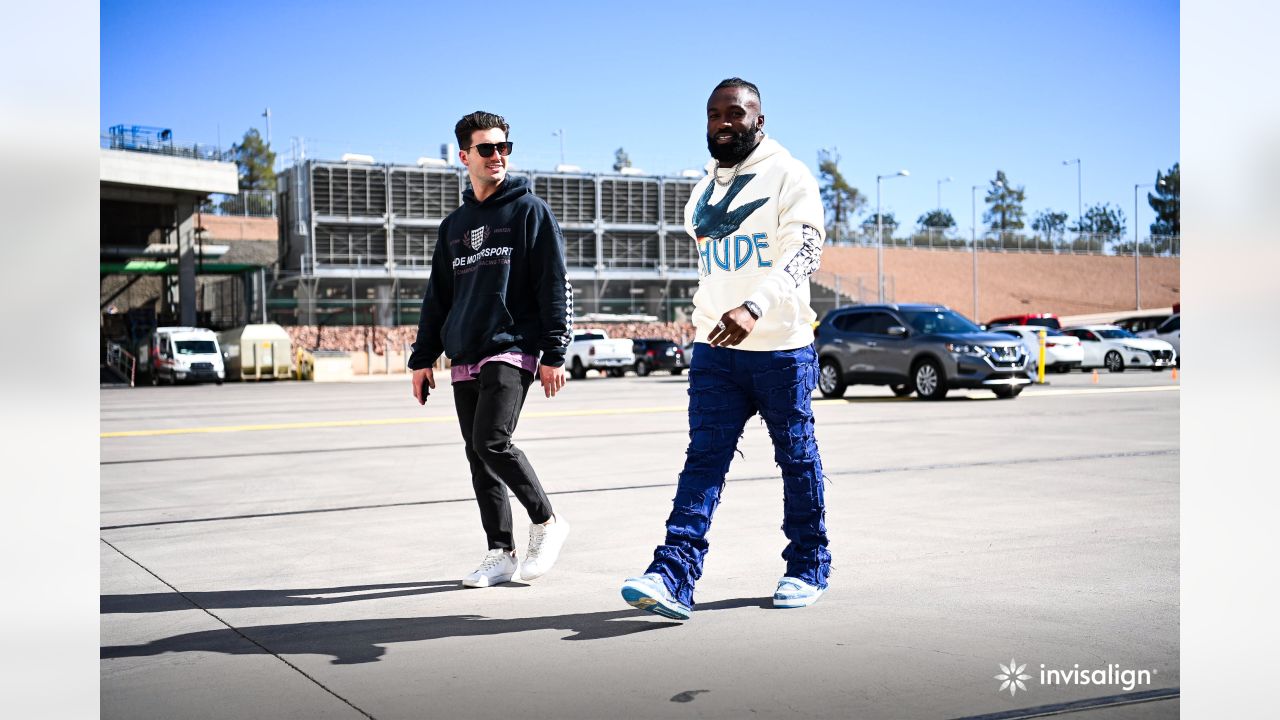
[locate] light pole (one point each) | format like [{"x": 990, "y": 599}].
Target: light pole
[
  {"x": 880, "y": 234},
  {"x": 560, "y": 134},
  {"x": 1137, "y": 276},
  {"x": 1079, "y": 203},
  {"x": 973, "y": 241}
]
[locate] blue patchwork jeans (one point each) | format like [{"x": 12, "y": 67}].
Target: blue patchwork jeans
[{"x": 727, "y": 387}]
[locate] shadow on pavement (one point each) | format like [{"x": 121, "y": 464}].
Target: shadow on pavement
[
  {"x": 171, "y": 601},
  {"x": 360, "y": 641}
]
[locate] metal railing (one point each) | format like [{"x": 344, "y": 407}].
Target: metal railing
[
  {"x": 1018, "y": 241},
  {"x": 122, "y": 361},
  {"x": 246, "y": 204},
  {"x": 155, "y": 146}
]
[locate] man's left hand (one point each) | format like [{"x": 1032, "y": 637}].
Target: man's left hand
[
  {"x": 734, "y": 327},
  {"x": 552, "y": 379}
]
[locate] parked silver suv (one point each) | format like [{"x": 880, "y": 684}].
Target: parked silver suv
[{"x": 925, "y": 349}]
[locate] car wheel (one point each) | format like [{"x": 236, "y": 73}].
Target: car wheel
[
  {"x": 677, "y": 371},
  {"x": 901, "y": 390},
  {"x": 642, "y": 368},
  {"x": 1114, "y": 362},
  {"x": 830, "y": 380},
  {"x": 617, "y": 372},
  {"x": 929, "y": 382},
  {"x": 577, "y": 372},
  {"x": 217, "y": 382},
  {"x": 1064, "y": 369},
  {"x": 1008, "y": 392}
]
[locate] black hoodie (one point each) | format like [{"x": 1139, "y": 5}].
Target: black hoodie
[{"x": 498, "y": 282}]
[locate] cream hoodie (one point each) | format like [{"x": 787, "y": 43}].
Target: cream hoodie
[{"x": 758, "y": 239}]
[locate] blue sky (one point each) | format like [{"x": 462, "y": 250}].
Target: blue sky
[{"x": 942, "y": 89}]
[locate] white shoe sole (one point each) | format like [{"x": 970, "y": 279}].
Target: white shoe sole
[{"x": 487, "y": 581}]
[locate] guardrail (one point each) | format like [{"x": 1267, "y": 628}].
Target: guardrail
[
  {"x": 123, "y": 362},
  {"x": 195, "y": 151}
]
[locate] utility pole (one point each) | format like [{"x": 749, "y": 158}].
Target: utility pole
[{"x": 267, "y": 114}]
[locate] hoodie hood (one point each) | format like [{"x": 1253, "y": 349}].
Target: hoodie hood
[
  {"x": 511, "y": 188},
  {"x": 767, "y": 148}
]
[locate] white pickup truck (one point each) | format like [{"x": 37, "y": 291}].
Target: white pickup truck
[{"x": 592, "y": 349}]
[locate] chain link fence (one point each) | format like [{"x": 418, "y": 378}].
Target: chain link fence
[{"x": 1066, "y": 243}]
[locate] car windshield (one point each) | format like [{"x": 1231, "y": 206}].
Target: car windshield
[
  {"x": 940, "y": 321},
  {"x": 196, "y": 347},
  {"x": 588, "y": 336},
  {"x": 1044, "y": 322},
  {"x": 1116, "y": 334}
]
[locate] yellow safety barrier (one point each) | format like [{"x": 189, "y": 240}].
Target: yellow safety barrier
[
  {"x": 304, "y": 366},
  {"x": 1040, "y": 366}
]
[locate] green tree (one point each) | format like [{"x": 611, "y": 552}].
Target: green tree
[
  {"x": 1051, "y": 224},
  {"x": 1102, "y": 219},
  {"x": 841, "y": 200},
  {"x": 889, "y": 223},
  {"x": 256, "y": 162},
  {"x": 1165, "y": 201},
  {"x": 940, "y": 219},
  {"x": 1004, "y": 202},
  {"x": 1052, "y": 229},
  {"x": 620, "y": 160}
]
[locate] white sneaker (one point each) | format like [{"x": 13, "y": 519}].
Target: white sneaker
[
  {"x": 545, "y": 542},
  {"x": 499, "y": 566}
]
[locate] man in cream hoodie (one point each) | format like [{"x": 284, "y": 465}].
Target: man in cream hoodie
[{"x": 758, "y": 218}]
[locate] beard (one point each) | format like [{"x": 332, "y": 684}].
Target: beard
[{"x": 734, "y": 151}]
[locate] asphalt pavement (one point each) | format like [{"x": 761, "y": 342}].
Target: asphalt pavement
[{"x": 293, "y": 550}]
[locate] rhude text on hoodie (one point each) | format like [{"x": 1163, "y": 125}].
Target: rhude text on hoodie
[{"x": 498, "y": 282}]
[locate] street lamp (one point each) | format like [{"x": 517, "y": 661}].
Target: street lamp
[
  {"x": 880, "y": 234},
  {"x": 1079, "y": 204},
  {"x": 943, "y": 180},
  {"x": 973, "y": 241},
  {"x": 1137, "y": 277},
  {"x": 560, "y": 134}
]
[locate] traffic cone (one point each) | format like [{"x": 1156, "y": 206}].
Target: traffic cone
[
  {"x": 1095, "y": 377},
  {"x": 1175, "y": 373}
]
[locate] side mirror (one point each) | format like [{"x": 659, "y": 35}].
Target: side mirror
[{"x": 897, "y": 331}]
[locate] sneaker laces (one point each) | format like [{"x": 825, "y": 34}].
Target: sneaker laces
[
  {"x": 537, "y": 533},
  {"x": 492, "y": 560}
]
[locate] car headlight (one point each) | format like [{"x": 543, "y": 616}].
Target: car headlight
[
  {"x": 1131, "y": 348},
  {"x": 966, "y": 349}
]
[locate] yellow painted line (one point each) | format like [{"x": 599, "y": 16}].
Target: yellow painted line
[
  {"x": 543, "y": 414},
  {"x": 380, "y": 421}
]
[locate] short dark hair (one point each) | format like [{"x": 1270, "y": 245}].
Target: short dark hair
[
  {"x": 737, "y": 82},
  {"x": 478, "y": 120}
]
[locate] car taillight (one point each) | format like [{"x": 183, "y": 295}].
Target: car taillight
[
  {"x": 1050, "y": 343},
  {"x": 651, "y": 353}
]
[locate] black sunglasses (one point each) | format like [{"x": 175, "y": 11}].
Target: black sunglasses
[{"x": 486, "y": 149}]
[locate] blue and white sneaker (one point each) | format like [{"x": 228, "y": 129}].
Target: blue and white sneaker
[
  {"x": 649, "y": 593},
  {"x": 795, "y": 593}
]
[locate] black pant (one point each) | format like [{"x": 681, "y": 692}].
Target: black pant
[{"x": 488, "y": 410}]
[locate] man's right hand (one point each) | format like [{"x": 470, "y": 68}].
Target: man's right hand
[{"x": 420, "y": 376}]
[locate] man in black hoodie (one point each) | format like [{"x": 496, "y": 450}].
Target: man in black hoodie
[{"x": 498, "y": 297}]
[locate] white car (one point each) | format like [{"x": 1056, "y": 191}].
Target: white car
[
  {"x": 1062, "y": 352},
  {"x": 1115, "y": 348},
  {"x": 1168, "y": 331}
]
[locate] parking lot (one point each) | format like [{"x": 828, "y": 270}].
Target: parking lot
[{"x": 293, "y": 550}]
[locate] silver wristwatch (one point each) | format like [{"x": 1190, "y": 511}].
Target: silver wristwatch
[{"x": 752, "y": 308}]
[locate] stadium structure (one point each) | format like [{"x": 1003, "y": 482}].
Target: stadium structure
[{"x": 356, "y": 239}]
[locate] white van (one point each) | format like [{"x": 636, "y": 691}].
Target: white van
[{"x": 183, "y": 354}]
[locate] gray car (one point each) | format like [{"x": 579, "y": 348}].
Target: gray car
[{"x": 925, "y": 349}]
